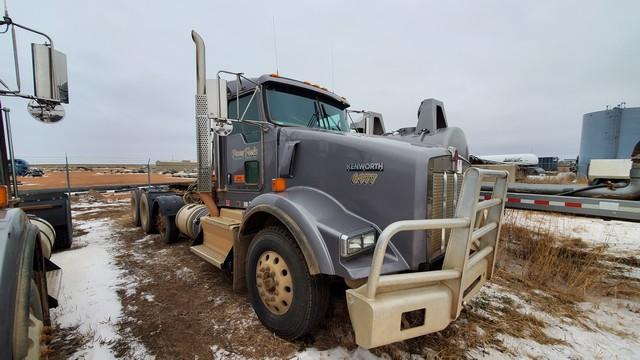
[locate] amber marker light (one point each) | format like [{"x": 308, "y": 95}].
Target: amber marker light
[
  {"x": 4, "y": 196},
  {"x": 278, "y": 184}
]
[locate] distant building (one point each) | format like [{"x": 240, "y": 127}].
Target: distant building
[{"x": 183, "y": 165}]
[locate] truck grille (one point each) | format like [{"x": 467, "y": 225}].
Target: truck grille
[{"x": 445, "y": 191}]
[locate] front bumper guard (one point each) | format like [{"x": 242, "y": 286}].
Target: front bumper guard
[{"x": 397, "y": 307}]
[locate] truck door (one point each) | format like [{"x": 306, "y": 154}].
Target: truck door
[{"x": 241, "y": 151}]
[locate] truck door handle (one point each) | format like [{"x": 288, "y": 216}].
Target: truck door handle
[{"x": 285, "y": 166}]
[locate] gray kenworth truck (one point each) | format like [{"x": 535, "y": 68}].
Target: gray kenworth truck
[{"x": 295, "y": 199}]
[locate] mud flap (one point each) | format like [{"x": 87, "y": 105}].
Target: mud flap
[{"x": 54, "y": 282}]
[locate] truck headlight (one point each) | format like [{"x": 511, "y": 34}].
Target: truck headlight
[{"x": 351, "y": 244}]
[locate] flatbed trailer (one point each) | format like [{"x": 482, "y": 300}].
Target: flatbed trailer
[{"x": 628, "y": 210}]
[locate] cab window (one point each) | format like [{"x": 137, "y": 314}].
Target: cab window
[{"x": 250, "y": 132}]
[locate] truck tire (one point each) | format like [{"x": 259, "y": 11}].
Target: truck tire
[
  {"x": 135, "y": 208},
  {"x": 286, "y": 298},
  {"x": 167, "y": 228},
  {"x": 146, "y": 215}
]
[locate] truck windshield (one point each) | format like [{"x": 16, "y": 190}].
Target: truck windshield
[{"x": 291, "y": 109}]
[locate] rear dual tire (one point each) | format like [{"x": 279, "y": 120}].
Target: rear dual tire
[
  {"x": 167, "y": 228},
  {"x": 274, "y": 263},
  {"x": 147, "y": 220},
  {"x": 144, "y": 215},
  {"x": 135, "y": 208}
]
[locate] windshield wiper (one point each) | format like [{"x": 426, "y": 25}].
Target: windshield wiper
[
  {"x": 326, "y": 116},
  {"x": 314, "y": 117}
]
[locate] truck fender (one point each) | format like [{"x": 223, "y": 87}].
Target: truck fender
[
  {"x": 167, "y": 205},
  {"x": 17, "y": 264},
  {"x": 315, "y": 219}
]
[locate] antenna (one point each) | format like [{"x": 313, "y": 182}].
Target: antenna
[
  {"x": 333, "y": 84},
  {"x": 275, "y": 44}
]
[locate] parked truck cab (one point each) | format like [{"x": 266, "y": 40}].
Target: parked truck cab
[{"x": 297, "y": 199}]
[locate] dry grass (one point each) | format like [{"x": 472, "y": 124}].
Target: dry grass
[
  {"x": 537, "y": 272},
  {"x": 66, "y": 341},
  {"x": 541, "y": 259},
  {"x": 566, "y": 268},
  {"x": 544, "y": 272}
]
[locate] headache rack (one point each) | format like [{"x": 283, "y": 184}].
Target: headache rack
[{"x": 396, "y": 307}]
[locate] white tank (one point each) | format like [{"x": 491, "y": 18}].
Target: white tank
[{"x": 518, "y": 159}]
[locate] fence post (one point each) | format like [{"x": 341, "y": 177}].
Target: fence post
[{"x": 66, "y": 161}]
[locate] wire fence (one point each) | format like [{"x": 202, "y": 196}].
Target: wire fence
[
  {"x": 79, "y": 172},
  {"x": 127, "y": 160}
]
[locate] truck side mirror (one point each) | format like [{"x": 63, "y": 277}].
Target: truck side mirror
[
  {"x": 217, "y": 106},
  {"x": 45, "y": 111},
  {"x": 50, "y": 74},
  {"x": 223, "y": 127}
]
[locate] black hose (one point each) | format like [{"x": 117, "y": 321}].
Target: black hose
[{"x": 572, "y": 192}]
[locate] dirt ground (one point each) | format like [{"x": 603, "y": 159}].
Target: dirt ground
[
  {"x": 58, "y": 180},
  {"x": 180, "y": 307},
  {"x": 193, "y": 303}
]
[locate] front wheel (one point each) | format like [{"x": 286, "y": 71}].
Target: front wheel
[{"x": 286, "y": 298}]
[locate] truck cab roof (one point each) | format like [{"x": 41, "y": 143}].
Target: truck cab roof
[{"x": 245, "y": 86}]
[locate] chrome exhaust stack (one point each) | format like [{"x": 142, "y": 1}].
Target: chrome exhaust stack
[{"x": 203, "y": 130}]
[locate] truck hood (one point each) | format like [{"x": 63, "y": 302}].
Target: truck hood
[{"x": 381, "y": 180}]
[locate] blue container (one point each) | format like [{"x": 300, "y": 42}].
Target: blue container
[{"x": 548, "y": 163}]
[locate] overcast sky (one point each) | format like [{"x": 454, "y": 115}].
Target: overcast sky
[{"x": 516, "y": 76}]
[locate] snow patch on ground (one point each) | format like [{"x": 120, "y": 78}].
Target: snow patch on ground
[
  {"x": 88, "y": 295},
  {"x": 612, "y": 330},
  {"x": 95, "y": 205},
  {"x": 146, "y": 239},
  {"x": 309, "y": 354},
  {"x": 186, "y": 274},
  {"x": 338, "y": 353},
  {"x": 620, "y": 237}
]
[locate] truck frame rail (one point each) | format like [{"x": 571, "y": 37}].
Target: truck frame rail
[{"x": 396, "y": 307}]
